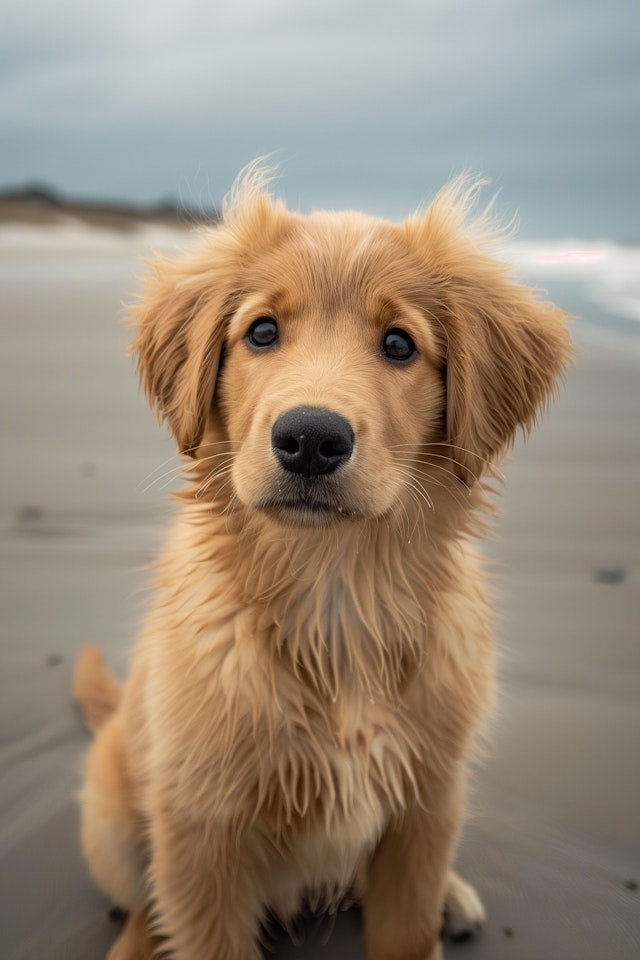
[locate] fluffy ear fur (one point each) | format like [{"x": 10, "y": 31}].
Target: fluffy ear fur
[
  {"x": 184, "y": 305},
  {"x": 504, "y": 349},
  {"x": 180, "y": 322},
  {"x": 506, "y": 352}
]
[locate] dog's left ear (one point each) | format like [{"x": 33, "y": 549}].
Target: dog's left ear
[
  {"x": 180, "y": 320},
  {"x": 503, "y": 348},
  {"x": 505, "y": 352}
]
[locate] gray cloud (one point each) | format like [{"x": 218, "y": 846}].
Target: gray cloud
[{"x": 370, "y": 104}]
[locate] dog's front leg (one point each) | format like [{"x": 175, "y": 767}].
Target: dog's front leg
[
  {"x": 407, "y": 877},
  {"x": 205, "y": 887}
]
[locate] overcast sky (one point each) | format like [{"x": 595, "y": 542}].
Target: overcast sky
[{"x": 363, "y": 103}]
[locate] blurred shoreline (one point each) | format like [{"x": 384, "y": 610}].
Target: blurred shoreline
[{"x": 40, "y": 206}]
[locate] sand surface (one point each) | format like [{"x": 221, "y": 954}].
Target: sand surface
[{"x": 553, "y": 842}]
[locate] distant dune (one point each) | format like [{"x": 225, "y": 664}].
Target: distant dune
[{"x": 39, "y": 205}]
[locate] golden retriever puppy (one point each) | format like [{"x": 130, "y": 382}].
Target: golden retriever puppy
[{"x": 317, "y": 661}]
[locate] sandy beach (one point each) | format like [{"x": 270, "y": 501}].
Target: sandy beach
[{"x": 553, "y": 840}]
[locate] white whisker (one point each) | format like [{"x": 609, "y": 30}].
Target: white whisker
[
  {"x": 427, "y": 462},
  {"x": 443, "y": 444},
  {"x": 219, "y": 472},
  {"x": 182, "y": 466}
]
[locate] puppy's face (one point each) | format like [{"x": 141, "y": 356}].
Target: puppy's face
[
  {"x": 348, "y": 365},
  {"x": 332, "y": 380}
]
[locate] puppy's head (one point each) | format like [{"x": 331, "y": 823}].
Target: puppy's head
[{"x": 350, "y": 365}]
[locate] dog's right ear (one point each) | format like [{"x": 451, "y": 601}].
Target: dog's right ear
[
  {"x": 180, "y": 320},
  {"x": 184, "y": 305}
]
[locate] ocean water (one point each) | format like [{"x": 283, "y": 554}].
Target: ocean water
[{"x": 599, "y": 283}]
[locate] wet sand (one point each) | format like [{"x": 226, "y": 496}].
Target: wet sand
[{"x": 553, "y": 841}]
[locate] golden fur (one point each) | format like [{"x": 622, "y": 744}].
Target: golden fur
[{"x": 304, "y": 698}]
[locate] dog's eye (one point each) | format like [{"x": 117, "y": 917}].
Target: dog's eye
[
  {"x": 263, "y": 332},
  {"x": 398, "y": 345}
]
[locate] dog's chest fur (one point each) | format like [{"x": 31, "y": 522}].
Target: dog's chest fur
[
  {"x": 309, "y": 779},
  {"x": 328, "y": 797},
  {"x": 291, "y": 724}
]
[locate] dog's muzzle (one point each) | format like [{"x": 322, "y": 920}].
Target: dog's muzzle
[{"x": 312, "y": 441}]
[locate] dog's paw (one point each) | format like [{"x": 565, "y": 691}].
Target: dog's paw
[{"x": 464, "y": 915}]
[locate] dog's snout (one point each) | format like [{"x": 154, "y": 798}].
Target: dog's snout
[{"x": 312, "y": 441}]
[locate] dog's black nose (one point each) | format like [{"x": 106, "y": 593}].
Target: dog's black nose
[{"x": 312, "y": 441}]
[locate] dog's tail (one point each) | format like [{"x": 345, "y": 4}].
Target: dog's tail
[{"x": 95, "y": 689}]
